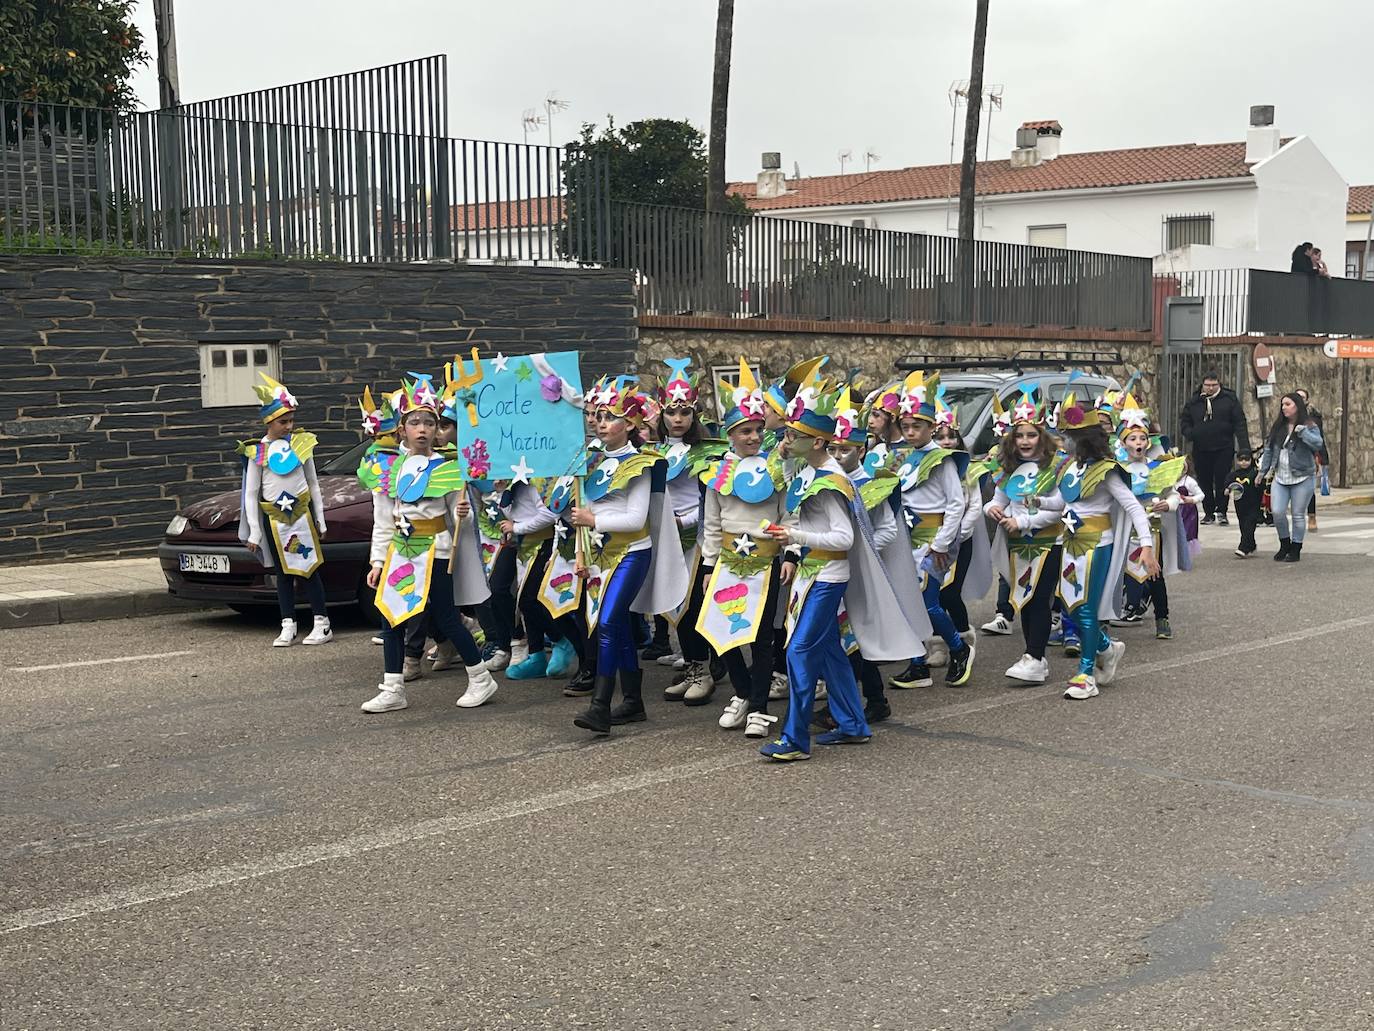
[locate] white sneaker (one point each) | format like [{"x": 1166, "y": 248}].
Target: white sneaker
[
  {"x": 411, "y": 669},
  {"x": 998, "y": 624},
  {"x": 678, "y": 664},
  {"x": 481, "y": 686},
  {"x": 1081, "y": 687},
  {"x": 391, "y": 695},
  {"x": 1241, "y": 554},
  {"x": 322, "y": 634},
  {"x": 671, "y": 659},
  {"x": 1030, "y": 671},
  {"x": 821, "y": 692},
  {"x": 499, "y": 660},
  {"x": 287, "y": 637},
  {"x": 519, "y": 651},
  {"x": 377, "y": 639},
  {"x": 735, "y": 714},
  {"x": 760, "y": 724},
  {"x": 445, "y": 656},
  {"x": 937, "y": 652},
  {"x": 1108, "y": 660},
  {"x": 778, "y": 688}
]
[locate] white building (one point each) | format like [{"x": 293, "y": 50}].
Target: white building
[{"x": 1192, "y": 206}]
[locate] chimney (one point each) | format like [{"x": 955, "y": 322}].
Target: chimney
[
  {"x": 1262, "y": 139},
  {"x": 1036, "y": 142},
  {"x": 772, "y": 182}
]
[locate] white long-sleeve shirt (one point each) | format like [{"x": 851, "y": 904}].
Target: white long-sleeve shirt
[
  {"x": 527, "y": 510},
  {"x": 684, "y": 494},
  {"x": 885, "y": 528},
  {"x": 386, "y": 511},
  {"x": 822, "y": 523},
  {"x": 942, "y": 491},
  {"x": 625, "y": 511},
  {"x": 727, "y": 517},
  {"x": 265, "y": 485},
  {"x": 973, "y": 512}
]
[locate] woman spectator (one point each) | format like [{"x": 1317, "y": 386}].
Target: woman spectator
[{"x": 1289, "y": 459}]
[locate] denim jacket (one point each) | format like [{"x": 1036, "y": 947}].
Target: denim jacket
[{"x": 1303, "y": 446}]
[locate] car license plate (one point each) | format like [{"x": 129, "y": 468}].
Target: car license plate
[{"x": 204, "y": 563}]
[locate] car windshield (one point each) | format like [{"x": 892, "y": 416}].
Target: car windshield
[
  {"x": 967, "y": 400},
  {"x": 345, "y": 464}
]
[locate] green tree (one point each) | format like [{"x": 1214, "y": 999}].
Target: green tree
[
  {"x": 658, "y": 161},
  {"x": 79, "y": 52}
]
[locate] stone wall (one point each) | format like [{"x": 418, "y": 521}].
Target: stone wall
[
  {"x": 102, "y": 433},
  {"x": 873, "y": 349}
]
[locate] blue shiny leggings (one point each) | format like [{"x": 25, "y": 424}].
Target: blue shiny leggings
[
  {"x": 1090, "y": 630},
  {"x": 616, "y": 645},
  {"x": 940, "y": 620},
  {"x": 814, "y": 652}
]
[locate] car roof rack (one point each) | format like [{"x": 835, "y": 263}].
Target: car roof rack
[{"x": 1035, "y": 358}]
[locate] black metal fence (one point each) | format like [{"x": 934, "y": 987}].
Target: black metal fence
[
  {"x": 761, "y": 266},
  {"x": 81, "y": 179},
  {"x": 1242, "y": 301}
]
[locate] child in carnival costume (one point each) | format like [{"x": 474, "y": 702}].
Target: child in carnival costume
[
  {"x": 419, "y": 506},
  {"x": 682, "y": 441},
  {"x": 933, "y": 506},
  {"x": 1155, "y": 479},
  {"x": 1028, "y": 542},
  {"x": 878, "y": 493},
  {"x": 778, "y": 395},
  {"x": 631, "y": 561},
  {"x": 973, "y": 561},
  {"x": 885, "y": 444},
  {"x": 549, "y": 625},
  {"x": 1004, "y": 615},
  {"x": 1099, "y": 511},
  {"x": 740, "y": 563},
  {"x": 281, "y": 501},
  {"x": 380, "y": 423},
  {"x": 836, "y": 564}
]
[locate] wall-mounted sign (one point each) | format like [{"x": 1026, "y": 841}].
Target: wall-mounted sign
[
  {"x": 1349, "y": 348},
  {"x": 1262, "y": 359},
  {"x": 1264, "y": 390}
]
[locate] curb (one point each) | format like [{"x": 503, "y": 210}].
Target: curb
[
  {"x": 93, "y": 608},
  {"x": 1354, "y": 499}
]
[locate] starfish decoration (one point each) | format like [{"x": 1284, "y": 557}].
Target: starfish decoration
[
  {"x": 744, "y": 544},
  {"x": 911, "y": 518},
  {"x": 523, "y": 371},
  {"x": 405, "y": 527},
  {"x": 752, "y": 404},
  {"x": 560, "y": 530},
  {"x": 500, "y": 362},
  {"x": 598, "y": 539},
  {"x": 286, "y": 501},
  {"x": 493, "y": 511},
  {"x": 1023, "y": 412},
  {"x": 1072, "y": 521},
  {"x": 522, "y": 471},
  {"x": 425, "y": 395},
  {"x": 907, "y": 405},
  {"x": 678, "y": 392}
]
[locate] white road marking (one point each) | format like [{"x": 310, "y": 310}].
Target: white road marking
[
  {"x": 100, "y": 662},
  {"x": 167, "y": 888}
]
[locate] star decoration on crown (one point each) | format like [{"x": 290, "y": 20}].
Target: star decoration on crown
[
  {"x": 1023, "y": 412},
  {"x": 803, "y": 402},
  {"x": 284, "y": 396},
  {"x": 845, "y": 421},
  {"x": 1134, "y": 418},
  {"x": 424, "y": 395},
  {"x": 752, "y": 404},
  {"x": 679, "y": 391},
  {"x": 908, "y": 404},
  {"x": 372, "y": 422},
  {"x": 744, "y": 544}
]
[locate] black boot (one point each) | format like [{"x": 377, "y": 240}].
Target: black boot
[
  {"x": 597, "y": 718},
  {"x": 659, "y": 646},
  {"x": 631, "y": 707},
  {"x": 580, "y": 686},
  {"x": 1294, "y": 552},
  {"x": 1284, "y": 545}
]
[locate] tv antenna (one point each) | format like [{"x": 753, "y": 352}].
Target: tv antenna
[
  {"x": 552, "y": 105},
  {"x": 845, "y": 157},
  {"x": 871, "y": 158},
  {"x": 531, "y": 120}
]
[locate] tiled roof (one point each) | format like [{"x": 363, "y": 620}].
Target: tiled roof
[
  {"x": 1048, "y": 123},
  {"x": 1361, "y": 200},
  {"x": 1104, "y": 168},
  {"x": 512, "y": 214}
]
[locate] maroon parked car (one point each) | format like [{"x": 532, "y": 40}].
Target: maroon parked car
[{"x": 204, "y": 560}]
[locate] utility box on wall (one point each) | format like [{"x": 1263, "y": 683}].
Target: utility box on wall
[{"x": 1183, "y": 325}]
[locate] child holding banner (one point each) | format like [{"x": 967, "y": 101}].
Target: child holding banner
[
  {"x": 744, "y": 492},
  {"x": 281, "y": 496},
  {"x": 632, "y": 560},
  {"x": 419, "y": 503}
]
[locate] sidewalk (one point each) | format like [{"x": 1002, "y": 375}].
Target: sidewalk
[{"x": 79, "y": 592}]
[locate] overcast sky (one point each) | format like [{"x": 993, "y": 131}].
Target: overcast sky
[{"x": 814, "y": 77}]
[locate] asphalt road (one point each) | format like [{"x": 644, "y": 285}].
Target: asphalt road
[{"x": 213, "y": 836}]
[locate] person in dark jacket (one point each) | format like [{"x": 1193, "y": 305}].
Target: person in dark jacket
[
  {"x": 1302, "y": 260},
  {"x": 1214, "y": 424}
]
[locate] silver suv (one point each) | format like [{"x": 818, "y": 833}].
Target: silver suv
[{"x": 971, "y": 382}]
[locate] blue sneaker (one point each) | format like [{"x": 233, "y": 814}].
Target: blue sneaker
[
  {"x": 536, "y": 666},
  {"x": 783, "y": 751},
  {"x": 1056, "y": 636},
  {"x": 564, "y": 659},
  {"x": 1072, "y": 645},
  {"x": 839, "y": 737}
]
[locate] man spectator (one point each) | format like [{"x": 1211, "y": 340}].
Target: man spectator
[{"x": 1214, "y": 424}]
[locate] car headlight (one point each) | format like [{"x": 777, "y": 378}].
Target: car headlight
[{"x": 177, "y": 526}]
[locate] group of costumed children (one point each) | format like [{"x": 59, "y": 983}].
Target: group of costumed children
[{"x": 824, "y": 533}]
